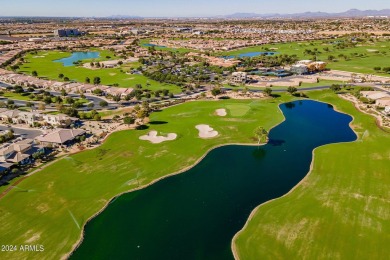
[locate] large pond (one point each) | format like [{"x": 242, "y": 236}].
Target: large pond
[
  {"x": 77, "y": 56},
  {"x": 250, "y": 54},
  {"x": 194, "y": 215}
]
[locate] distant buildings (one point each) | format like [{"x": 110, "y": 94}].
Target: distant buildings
[
  {"x": 26, "y": 80},
  {"x": 299, "y": 69},
  {"x": 375, "y": 95},
  {"x": 239, "y": 77},
  {"x": 306, "y": 66},
  {"x": 67, "y": 33},
  {"x": 32, "y": 118}
]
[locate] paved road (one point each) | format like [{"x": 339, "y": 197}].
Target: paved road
[
  {"x": 26, "y": 133},
  {"x": 96, "y": 100}
]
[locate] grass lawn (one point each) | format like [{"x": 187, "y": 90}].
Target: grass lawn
[
  {"x": 180, "y": 50},
  {"x": 16, "y": 96},
  {"x": 346, "y": 192},
  {"x": 304, "y": 85},
  {"x": 340, "y": 211},
  {"x": 355, "y": 64},
  {"x": 81, "y": 184},
  {"x": 42, "y": 62}
]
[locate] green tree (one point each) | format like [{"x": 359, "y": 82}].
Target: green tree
[
  {"x": 34, "y": 73},
  {"x": 128, "y": 120},
  {"x": 87, "y": 80},
  {"x": 335, "y": 87},
  {"x": 268, "y": 91},
  {"x": 216, "y": 91},
  {"x": 98, "y": 92},
  {"x": 261, "y": 134},
  {"x": 103, "y": 103},
  {"x": 292, "y": 90},
  {"x": 97, "y": 117},
  {"x": 41, "y": 106},
  {"x": 96, "y": 80},
  {"x": 61, "y": 76}
]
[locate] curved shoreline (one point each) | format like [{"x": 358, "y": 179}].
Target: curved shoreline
[
  {"x": 233, "y": 247},
  {"x": 254, "y": 211},
  {"x": 80, "y": 240},
  {"x": 78, "y": 243}
]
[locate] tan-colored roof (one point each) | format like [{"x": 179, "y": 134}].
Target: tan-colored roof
[
  {"x": 10, "y": 113},
  {"x": 17, "y": 157},
  {"x": 6, "y": 150},
  {"x": 60, "y": 136}
]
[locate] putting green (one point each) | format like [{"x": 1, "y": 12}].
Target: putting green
[{"x": 238, "y": 110}]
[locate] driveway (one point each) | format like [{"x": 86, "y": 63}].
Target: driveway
[{"x": 26, "y": 133}]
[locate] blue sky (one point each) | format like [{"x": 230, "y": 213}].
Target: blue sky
[{"x": 177, "y": 8}]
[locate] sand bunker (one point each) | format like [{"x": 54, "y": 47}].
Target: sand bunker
[
  {"x": 205, "y": 131},
  {"x": 155, "y": 139},
  {"x": 221, "y": 112}
]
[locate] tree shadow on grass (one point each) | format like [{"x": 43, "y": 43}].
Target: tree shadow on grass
[
  {"x": 158, "y": 122},
  {"x": 142, "y": 127}
]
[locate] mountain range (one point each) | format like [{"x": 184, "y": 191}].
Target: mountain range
[{"x": 346, "y": 14}]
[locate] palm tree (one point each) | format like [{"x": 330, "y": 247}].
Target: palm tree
[{"x": 261, "y": 133}]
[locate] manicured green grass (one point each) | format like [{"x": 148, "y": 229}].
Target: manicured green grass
[
  {"x": 304, "y": 85},
  {"x": 238, "y": 109},
  {"x": 81, "y": 184},
  {"x": 179, "y": 50},
  {"x": 44, "y": 65},
  {"x": 355, "y": 64},
  {"x": 340, "y": 211},
  {"x": 16, "y": 96}
]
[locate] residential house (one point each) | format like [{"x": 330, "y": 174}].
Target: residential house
[
  {"x": 374, "y": 95},
  {"x": 239, "y": 77},
  {"x": 299, "y": 69},
  {"x": 387, "y": 110},
  {"x": 59, "y": 137},
  {"x": 383, "y": 102},
  {"x": 61, "y": 120},
  {"x": 28, "y": 118},
  {"x": 9, "y": 115},
  {"x": 19, "y": 152}
]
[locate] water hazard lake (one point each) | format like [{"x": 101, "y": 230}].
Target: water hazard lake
[
  {"x": 77, "y": 56},
  {"x": 194, "y": 215}
]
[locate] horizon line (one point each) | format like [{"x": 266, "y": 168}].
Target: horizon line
[{"x": 124, "y": 16}]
